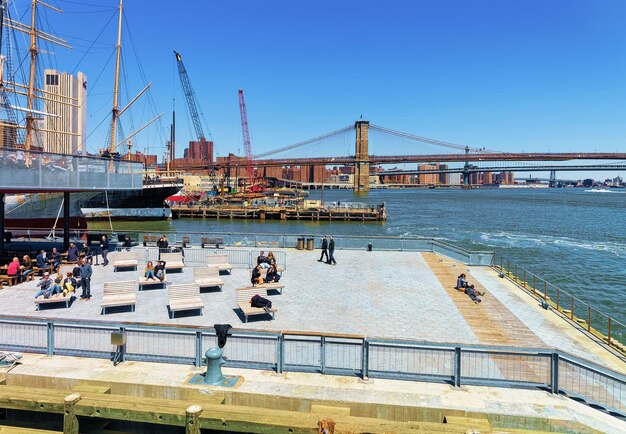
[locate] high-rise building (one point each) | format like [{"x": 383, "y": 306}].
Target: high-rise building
[
  {"x": 428, "y": 178},
  {"x": 65, "y": 104}
]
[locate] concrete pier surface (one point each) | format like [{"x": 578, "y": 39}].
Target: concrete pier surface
[
  {"x": 382, "y": 294},
  {"x": 378, "y": 294}
]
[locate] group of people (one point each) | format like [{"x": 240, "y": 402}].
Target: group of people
[
  {"x": 155, "y": 273},
  {"x": 328, "y": 250},
  {"x": 463, "y": 285},
  {"x": 268, "y": 263},
  {"x": 79, "y": 277}
]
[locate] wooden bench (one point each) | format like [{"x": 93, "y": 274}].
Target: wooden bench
[
  {"x": 117, "y": 294},
  {"x": 220, "y": 262},
  {"x": 243, "y": 301},
  {"x": 184, "y": 297},
  {"x": 173, "y": 261},
  {"x": 206, "y": 241},
  {"x": 11, "y": 280},
  {"x": 149, "y": 239},
  {"x": 206, "y": 277},
  {"x": 125, "y": 259},
  {"x": 153, "y": 284},
  {"x": 56, "y": 298}
]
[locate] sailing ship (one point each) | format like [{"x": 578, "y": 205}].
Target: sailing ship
[{"x": 43, "y": 210}]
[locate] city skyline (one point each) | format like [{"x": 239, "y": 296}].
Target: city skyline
[{"x": 511, "y": 77}]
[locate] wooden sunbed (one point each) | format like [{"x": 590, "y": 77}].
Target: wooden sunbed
[
  {"x": 184, "y": 297},
  {"x": 220, "y": 262},
  {"x": 56, "y": 298},
  {"x": 243, "y": 301},
  {"x": 278, "y": 286},
  {"x": 153, "y": 284},
  {"x": 173, "y": 261},
  {"x": 116, "y": 294},
  {"x": 11, "y": 280},
  {"x": 206, "y": 277},
  {"x": 125, "y": 259}
]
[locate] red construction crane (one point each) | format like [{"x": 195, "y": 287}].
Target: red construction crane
[{"x": 246, "y": 143}]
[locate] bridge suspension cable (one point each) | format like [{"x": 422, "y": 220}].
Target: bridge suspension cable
[
  {"x": 427, "y": 140},
  {"x": 304, "y": 143}
]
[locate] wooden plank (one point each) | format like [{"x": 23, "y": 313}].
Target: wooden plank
[{"x": 91, "y": 388}]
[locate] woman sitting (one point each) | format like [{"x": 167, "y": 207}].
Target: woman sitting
[
  {"x": 55, "y": 288},
  {"x": 149, "y": 272},
  {"x": 69, "y": 284},
  {"x": 159, "y": 270},
  {"x": 271, "y": 260},
  {"x": 26, "y": 268},
  {"x": 256, "y": 276},
  {"x": 272, "y": 274}
]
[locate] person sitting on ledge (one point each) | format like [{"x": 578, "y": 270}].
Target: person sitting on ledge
[
  {"x": 272, "y": 275},
  {"x": 271, "y": 259},
  {"x": 256, "y": 276},
  {"x": 57, "y": 284},
  {"x": 72, "y": 253},
  {"x": 45, "y": 284},
  {"x": 149, "y": 273},
  {"x": 42, "y": 260},
  {"x": 159, "y": 270}
]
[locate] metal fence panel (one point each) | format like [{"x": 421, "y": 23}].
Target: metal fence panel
[
  {"x": 80, "y": 341},
  {"x": 246, "y": 350},
  {"x": 406, "y": 361},
  {"x": 343, "y": 354},
  {"x": 593, "y": 386},
  {"x": 302, "y": 353},
  {"x": 161, "y": 345},
  {"x": 23, "y": 336},
  {"x": 506, "y": 367}
]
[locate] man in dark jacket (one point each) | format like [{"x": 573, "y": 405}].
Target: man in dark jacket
[
  {"x": 331, "y": 251},
  {"x": 104, "y": 245},
  {"x": 85, "y": 279},
  {"x": 324, "y": 249}
]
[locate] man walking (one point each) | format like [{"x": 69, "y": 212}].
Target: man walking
[
  {"x": 331, "y": 251},
  {"x": 85, "y": 278},
  {"x": 104, "y": 245},
  {"x": 324, "y": 249}
]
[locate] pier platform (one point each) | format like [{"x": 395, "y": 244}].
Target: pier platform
[
  {"x": 404, "y": 296},
  {"x": 280, "y": 213}
]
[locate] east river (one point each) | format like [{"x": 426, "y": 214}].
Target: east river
[{"x": 572, "y": 238}]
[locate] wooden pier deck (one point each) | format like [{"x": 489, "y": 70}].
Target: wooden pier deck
[{"x": 280, "y": 213}]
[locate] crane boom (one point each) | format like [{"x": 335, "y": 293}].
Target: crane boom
[
  {"x": 190, "y": 96},
  {"x": 246, "y": 136}
]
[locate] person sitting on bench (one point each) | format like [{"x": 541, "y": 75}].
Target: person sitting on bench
[
  {"x": 256, "y": 276},
  {"x": 13, "y": 268},
  {"x": 26, "y": 268},
  {"x": 45, "y": 284},
  {"x": 261, "y": 260},
  {"x": 69, "y": 284},
  {"x": 271, "y": 260},
  {"x": 272, "y": 275},
  {"x": 159, "y": 270},
  {"x": 72, "y": 253},
  {"x": 55, "y": 259},
  {"x": 42, "y": 260},
  {"x": 87, "y": 253},
  {"x": 149, "y": 273}
]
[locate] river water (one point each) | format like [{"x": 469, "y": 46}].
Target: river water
[{"x": 570, "y": 237}]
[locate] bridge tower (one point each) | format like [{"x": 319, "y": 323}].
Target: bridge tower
[
  {"x": 552, "y": 183},
  {"x": 362, "y": 157}
]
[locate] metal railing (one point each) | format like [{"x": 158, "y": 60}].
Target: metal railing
[
  {"x": 23, "y": 170},
  {"x": 454, "y": 364},
  {"x": 269, "y": 241},
  {"x": 604, "y": 327}
]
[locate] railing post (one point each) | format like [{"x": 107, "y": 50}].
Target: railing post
[
  {"x": 516, "y": 274},
  {"x": 323, "y": 354},
  {"x": 501, "y": 269},
  {"x": 609, "y": 332},
  {"x": 192, "y": 425},
  {"x": 50, "y": 338},
  {"x": 365, "y": 359},
  {"x": 545, "y": 290},
  {"x": 558, "y": 296},
  {"x": 457, "y": 366},
  {"x": 524, "y": 279},
  {"x": 70, "y": 421},
  {"x": 198, "y": 361},
  {"x": 554, "y": 373},
  {"x": 280, "y": 353},
  {"x": 508, "y": 268},
  {"x": 571, "y": 313},
  {"x": 588, "y": 318},
  {"x": 534, "y": 283}
]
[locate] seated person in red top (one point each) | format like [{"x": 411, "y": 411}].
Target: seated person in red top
[{"x": 14, "y": 267}]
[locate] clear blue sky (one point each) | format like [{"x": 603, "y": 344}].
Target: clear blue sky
[{"x": 508, "y": 75}]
